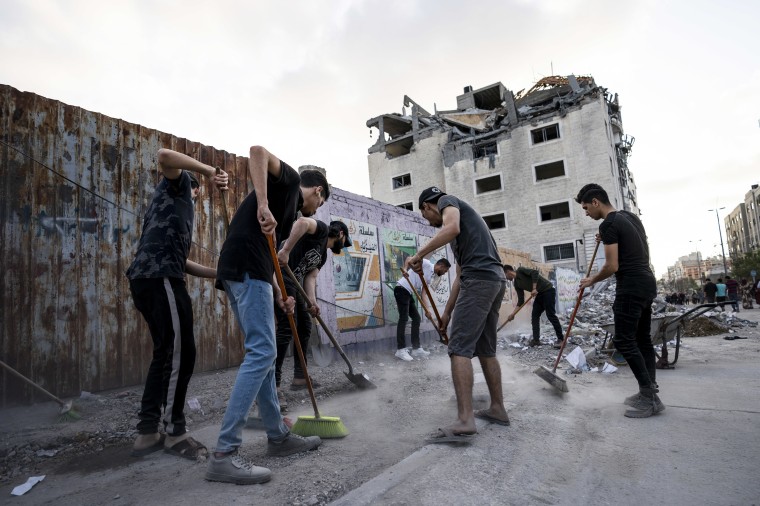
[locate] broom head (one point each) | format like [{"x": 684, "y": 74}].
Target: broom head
[
  {"x": 326, "y": 427},
  {"x": 551, "y": 377}
]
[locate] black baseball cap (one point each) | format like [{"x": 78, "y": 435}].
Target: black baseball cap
[{"x": 429, "y": 194}]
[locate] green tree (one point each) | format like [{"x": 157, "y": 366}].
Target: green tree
[{"x": 746, "y": 263}]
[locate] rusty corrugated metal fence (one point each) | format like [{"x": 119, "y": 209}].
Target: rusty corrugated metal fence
[{"x": 75, "y": 185}]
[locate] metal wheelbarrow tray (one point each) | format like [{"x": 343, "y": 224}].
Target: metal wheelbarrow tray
[{"x": 663, "y": 330}]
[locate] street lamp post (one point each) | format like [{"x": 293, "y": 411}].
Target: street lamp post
[{"x": 720, "y": 234}]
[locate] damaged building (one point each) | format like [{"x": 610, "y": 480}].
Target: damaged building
[{"x": 519, "y": 159}]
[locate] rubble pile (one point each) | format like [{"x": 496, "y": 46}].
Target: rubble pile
[{"x": 703, "y": 326}]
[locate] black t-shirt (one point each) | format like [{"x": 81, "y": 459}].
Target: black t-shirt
[
  {"x": 711, "y": 289},
  {"x": 310, "y": 252},
  {"x": 634, "y": 276},
  {"x": 166, "y": 233},
  {"x": 246, "y": 251}
]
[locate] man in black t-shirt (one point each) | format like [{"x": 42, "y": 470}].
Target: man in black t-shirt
[
  {"x": 157, "y": 282},
  {"x": 710, "y": 290},
  {"x": 626, "y": 254},
  {"x": 305, "y": 252},
  {"x": 245, "y": 272}
]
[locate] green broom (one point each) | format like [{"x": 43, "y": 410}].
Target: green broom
[
  {"x": 326, "y": 427},
  {"x": 67, "y": 412}
]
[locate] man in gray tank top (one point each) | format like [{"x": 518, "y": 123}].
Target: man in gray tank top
[{"x": 473, "y": 307}]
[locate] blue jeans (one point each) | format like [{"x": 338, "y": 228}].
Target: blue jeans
[{"x": 252, "y": 304}]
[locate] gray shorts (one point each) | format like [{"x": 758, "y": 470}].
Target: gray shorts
[{"x": 476, "y": 317}]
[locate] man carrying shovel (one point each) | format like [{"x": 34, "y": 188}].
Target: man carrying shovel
[
  {"x": 544, "y": 295},
  {"x": 305, "y": 252},
  {"x": 473, "y": 306},
  {"x": 626, "y": 254}
]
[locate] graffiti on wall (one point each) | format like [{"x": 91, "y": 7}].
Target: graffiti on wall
[
  {"x": 440, "y": 287},
  {"x": 356, "y": 276},
  {"x": 567, "y": 288},
  {"x": 397, "y": 246}
]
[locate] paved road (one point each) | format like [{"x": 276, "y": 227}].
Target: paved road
[{"x": 579, "y": 449}]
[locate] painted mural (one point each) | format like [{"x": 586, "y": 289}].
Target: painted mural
[
  {"x": 356, "y": 276},
  {"x": 439, "y": 287},
  {"x": 567, "y": 289},
  {"x": 397, "y": 246}
]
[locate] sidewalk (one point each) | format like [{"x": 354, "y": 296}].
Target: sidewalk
[{"x": 579, "y": 449}]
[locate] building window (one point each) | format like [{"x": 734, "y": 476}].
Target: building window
[
  {"x": 545, "y": 134},
  {"x": 550, "y": 170},
  {"x": 402, "y": 181},
  {"x": 408, "y": 206},
  {"x": 495, "y": 221},
  {"x": 488, "y": 184},
  {"x": 557, "y": 252},
  {"x": 556, "y": 211},
  {"x": 484, "y": 149}
]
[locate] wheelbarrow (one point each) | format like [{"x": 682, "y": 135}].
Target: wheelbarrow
[{"x": 663, "y": 330}]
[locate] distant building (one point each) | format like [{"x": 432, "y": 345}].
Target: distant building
[{"x": 518, "y": 159}]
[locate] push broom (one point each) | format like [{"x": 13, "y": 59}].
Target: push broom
[
  {"x": 550, "y": 375},
  {"x": 326, "y": 427}
]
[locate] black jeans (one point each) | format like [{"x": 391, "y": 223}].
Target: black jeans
[
  {"x": 166, "y": 307},
  {"x": 284, "y": 335},
  {"x": 544, "y": 301},
  {"x": 633, "y": 321},
  {"x": 406, "y": 309}
]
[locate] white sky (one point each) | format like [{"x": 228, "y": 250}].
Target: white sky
[{"x": 302, "y": 77}]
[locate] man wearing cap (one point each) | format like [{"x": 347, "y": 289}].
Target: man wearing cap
[
  {"x": 407, "y": 307},
  {"x": 305, "y": 252},
  {"x": 157, "y": 282},
  {"x": 472, "y": 308}
]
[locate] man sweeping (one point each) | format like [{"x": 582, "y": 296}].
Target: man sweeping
[
  {"x": 626, "y": 254},
  {"x": 157, "y": 282},
  {"x": 472, "y": 308},
  {"x": 407, "y": 307},
  {"x": 245, "y": 271},
  {"x": 544, "y": 298}
]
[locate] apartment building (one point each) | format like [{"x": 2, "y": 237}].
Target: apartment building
[{"x": 519, "y": 159}]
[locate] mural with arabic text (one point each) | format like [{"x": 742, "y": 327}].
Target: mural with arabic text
[{"x": 356, "y": 277}]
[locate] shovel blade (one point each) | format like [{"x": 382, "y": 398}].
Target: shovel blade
[{"x": 360, "y": 380}]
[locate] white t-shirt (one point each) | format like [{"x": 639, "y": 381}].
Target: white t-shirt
[{"x": 427, "y": 271}]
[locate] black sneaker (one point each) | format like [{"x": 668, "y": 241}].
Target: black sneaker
[
  {"x": 292, "y": 444},
  {"x": 644, "y": 405},
  {"x": 534, "y": 342},
  {"x": 634, "y": 399}
]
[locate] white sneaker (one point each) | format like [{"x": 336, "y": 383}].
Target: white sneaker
[
  {"x": 420, "y": 352},
  {"x": 404, "y": 355}
]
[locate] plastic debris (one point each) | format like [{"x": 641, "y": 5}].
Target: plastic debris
[{"x": 26, "y": 487}]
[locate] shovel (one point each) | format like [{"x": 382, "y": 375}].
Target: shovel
[
  {"x": 550, "y": 375},
  {"x": 518, "y": 310},
  {"x": 359, "y": 379}
]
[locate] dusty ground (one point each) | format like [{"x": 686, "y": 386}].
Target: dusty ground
[{"x": 87, "y": 461}]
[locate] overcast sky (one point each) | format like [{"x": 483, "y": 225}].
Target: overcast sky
[{"x": 303, "y": 77}]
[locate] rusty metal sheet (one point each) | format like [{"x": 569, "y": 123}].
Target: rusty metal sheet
[{"x": 68, "y": 320}]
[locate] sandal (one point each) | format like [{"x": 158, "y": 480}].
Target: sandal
[
  {"x": 187, "y": 448},
  {"x": 446, "y": 435},
  {"x": 142, "y": 452}
]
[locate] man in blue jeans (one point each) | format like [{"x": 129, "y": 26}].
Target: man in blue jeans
[
  {"x": 245, "y": 271},
  {"x": 626, "y": 254}
]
